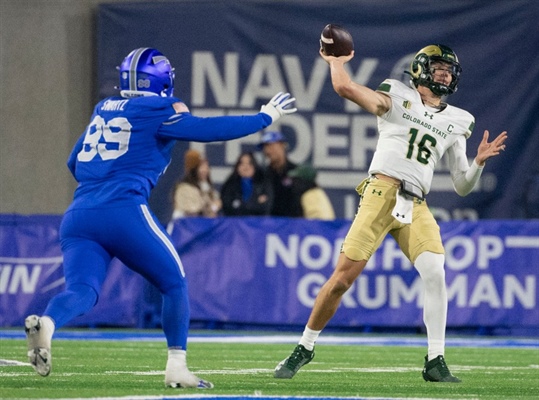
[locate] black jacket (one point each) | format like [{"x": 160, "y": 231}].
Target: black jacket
[
  {"x": 231, "y": 196},
  {"x": 287, "y": 200}
]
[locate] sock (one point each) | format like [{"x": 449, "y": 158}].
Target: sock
[
  {"x": 49, "y": 323},
  {"x": 436, "y": 348},
  {"x": 309, "y": 338},
  {"x": 431, "y": 269},
  {"x": 178, "y": 356}
]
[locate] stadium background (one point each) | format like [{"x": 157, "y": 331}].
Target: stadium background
[{"x": 58, "y": 57}]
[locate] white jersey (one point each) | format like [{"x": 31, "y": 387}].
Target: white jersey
[{"x": 414, "y": 137}]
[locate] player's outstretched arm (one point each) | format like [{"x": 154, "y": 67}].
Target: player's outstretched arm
[
  {"x": 185, "y": 126},
  {"x": 368, "y": 99},
  {"x": 487, "y": 150}
]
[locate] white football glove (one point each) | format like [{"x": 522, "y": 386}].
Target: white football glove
[{"x": 276, "y": 107}]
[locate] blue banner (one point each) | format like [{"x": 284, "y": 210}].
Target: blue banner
[
  {"x": 269, "y": 270},
  {"x": 31, "y": 274},
  {"x": 231, "y": 57}
]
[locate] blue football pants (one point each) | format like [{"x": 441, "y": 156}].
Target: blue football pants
[{"x": 90, "y": 238}]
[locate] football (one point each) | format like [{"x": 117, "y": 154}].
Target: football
[{"x": 336, "y": 41}]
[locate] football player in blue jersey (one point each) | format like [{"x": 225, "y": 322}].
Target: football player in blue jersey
[{"x": 117, "y": 161}]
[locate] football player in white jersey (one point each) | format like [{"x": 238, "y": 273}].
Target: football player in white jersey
[{"x": 416, "y": 129}]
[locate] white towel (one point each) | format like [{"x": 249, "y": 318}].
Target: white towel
[{"x": 402, "y": 211}]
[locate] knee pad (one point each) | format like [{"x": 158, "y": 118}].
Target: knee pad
[
  {"x": 76, "y": 300},
  {"x": 431, "y": 267},
  {"x": 179, "y": 286},
  {"x": 84, "y": 294}
]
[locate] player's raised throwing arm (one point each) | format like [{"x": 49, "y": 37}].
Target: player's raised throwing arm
[{"x": 374, "y": 102}]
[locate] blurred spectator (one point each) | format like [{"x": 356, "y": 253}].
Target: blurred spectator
[
  {"x": 315, "y": 202},
  {"x": 195, "y": 195},
  {"x": 246, "y": 191},
  {"x": 285, "y": 202}
]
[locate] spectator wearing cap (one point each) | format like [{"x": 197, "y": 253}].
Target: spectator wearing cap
[
  {"x": 195, "y": 194},
  {"x": 315, "y": 202},
  {"x": 285, "y": 201}
]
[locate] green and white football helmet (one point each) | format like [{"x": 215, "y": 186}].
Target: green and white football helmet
[{"x": 421, "y": 69}]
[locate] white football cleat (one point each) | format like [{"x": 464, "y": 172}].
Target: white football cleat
[
  {"x": 178, "y": 376},
  {"x": 39, "y": 335}
]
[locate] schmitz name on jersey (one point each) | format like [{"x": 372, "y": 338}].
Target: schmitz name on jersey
[{"x": 114, "y": 105}]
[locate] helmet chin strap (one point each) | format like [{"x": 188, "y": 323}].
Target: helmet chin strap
[{"x": 438, "y": 89}]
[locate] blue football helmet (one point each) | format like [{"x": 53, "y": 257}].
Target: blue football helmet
[
  {"x": 147, "y": 70},
  {"x": 421, "y": 70}
]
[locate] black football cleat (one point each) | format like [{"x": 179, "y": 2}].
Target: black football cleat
[
  {"x": 287, "y": 368},
  {"x": 436, "y": 370}
]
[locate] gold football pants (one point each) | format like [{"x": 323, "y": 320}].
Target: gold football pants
[{"x": 374, "y": 221}]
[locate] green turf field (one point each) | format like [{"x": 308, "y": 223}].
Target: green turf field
[{"x": 115, "y": 368}]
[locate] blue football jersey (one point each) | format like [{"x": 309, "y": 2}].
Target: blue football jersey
[{"x": 128, "y": 142}]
